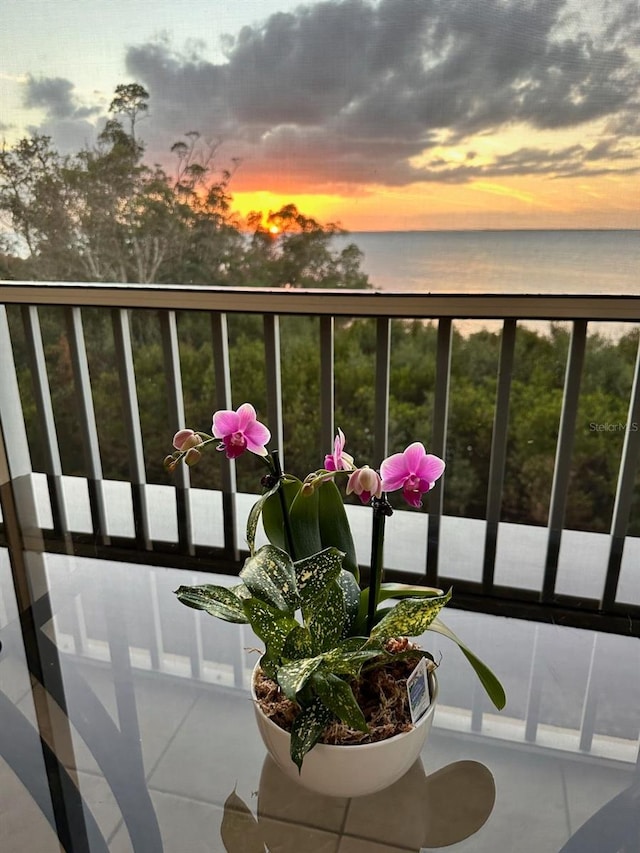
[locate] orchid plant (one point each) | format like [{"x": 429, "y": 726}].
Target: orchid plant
[{"x": 301, "y": 593}]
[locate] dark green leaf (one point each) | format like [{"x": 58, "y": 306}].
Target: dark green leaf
[
  {"x": 338, "y": 697},
  {"x": 307, "y": 729},
  {"x": 270, "y": 576},
  {"x": 410, "y": 617},
  {"x": 219, "y": 601},
  {"x": 272, "y": 512},
  {"x": 491, "y": 684},
  {"x": 254, "y": 516},
  {"x": 334, "y": 525},
  {"x": 303, "y": 514}
]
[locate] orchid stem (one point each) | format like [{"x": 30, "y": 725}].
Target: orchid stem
[
  {"x": 288, "y": 535},
  {"x": 381, "y": 509}
]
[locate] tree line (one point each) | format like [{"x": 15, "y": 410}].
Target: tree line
[{"x": 103, "y": 214}]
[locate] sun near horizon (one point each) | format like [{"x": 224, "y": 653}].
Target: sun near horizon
[{"x": 601, "y": 203}]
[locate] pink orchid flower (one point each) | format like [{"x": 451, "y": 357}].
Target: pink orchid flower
[
  {"x": 339, "y": 460},
  {"x": 366, "y": 483},
  {"x": 414, "y": 471},
  {"x": 240, "y": 431}
]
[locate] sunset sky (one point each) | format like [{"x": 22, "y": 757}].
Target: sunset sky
[{"x": 389, "y": 115}]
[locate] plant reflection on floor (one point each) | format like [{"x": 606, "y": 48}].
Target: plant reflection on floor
[{"x": 417, "y": 811}]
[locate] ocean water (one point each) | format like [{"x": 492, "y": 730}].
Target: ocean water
[
  {"x": 586, "y": 262},
  {"x": 525, "y": 262}
]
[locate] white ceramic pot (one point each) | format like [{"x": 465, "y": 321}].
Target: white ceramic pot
[{"x": 347, "y": 771}]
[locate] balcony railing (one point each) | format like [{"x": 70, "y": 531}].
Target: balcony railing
[{"x": 486, "y": 559}]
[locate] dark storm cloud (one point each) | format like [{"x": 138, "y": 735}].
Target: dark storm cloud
[{"x": 349, "y": 92}]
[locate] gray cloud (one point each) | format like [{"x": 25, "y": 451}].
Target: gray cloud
[
  {"x": 342, "y": 93},
  {"x": 54, "y": 94},
  {"x": 66, "y": 120},
  {"x": 57, "y": 97}
]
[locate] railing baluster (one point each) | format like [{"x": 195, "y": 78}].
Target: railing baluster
[
  {"x": 327, "y": 382},
  {"x": 381, "y": 402},
  {"x": 17, "y": 497},
  {"x": 47, "y": 431},
  {"x": 133, "y": 430},
  {"x": 274, "y": 381},
  {"x": 624, "y": 491},
  {"x": 438, "y": 444},
  {"x": 175, "y": 402},
  {"x": 564, "y": 451},
  {"x": 87, "y": 417},
  {"x": 222, "y": 373},
  {"x": 498, "y": 452}
]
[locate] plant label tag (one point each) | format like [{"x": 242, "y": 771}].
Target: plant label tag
[{"x": 418, "y": 690}]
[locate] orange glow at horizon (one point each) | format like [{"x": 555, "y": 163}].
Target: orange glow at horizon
[{"x": 606, "y": 201}]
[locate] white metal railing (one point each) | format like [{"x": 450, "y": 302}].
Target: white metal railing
[{"x": 383, "y": 308}]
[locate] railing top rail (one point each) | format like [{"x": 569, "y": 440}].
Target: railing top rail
[{"x": 346, "y": 303}]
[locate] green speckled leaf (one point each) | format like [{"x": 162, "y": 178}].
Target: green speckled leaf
[
  {"x": 326, "y": 619},
  {"x": 356, "y": 644},
  {"x": 315, "y": 573},
  {"x": 273, "y": 626},
  {"x": 410, "y": 617},
  {"x": 254, "y": 516},
  {"x": 338, "y": 697},
  {"x": 298, "y": 645},
  {"x": 292, "y": 677},
  {"x": 343, "y": 662},
  {"x": 241, "y": 591},
  {"x": 351, "y": 595},
  {"x": 219, "y": 601},
  {"x": 269, "y": 667},
  {"x": 270, "y": 576},
  {"x": 306, "y": 730},
  {"x": 389, "y": 590}
]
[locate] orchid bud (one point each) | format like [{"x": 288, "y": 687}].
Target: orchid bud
[
  {"x": 366, "y": 483},
  {"x": 185, "y": 439},
  {"x": 192, "y": 456},
  {"x": 169, "y": 463}
]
